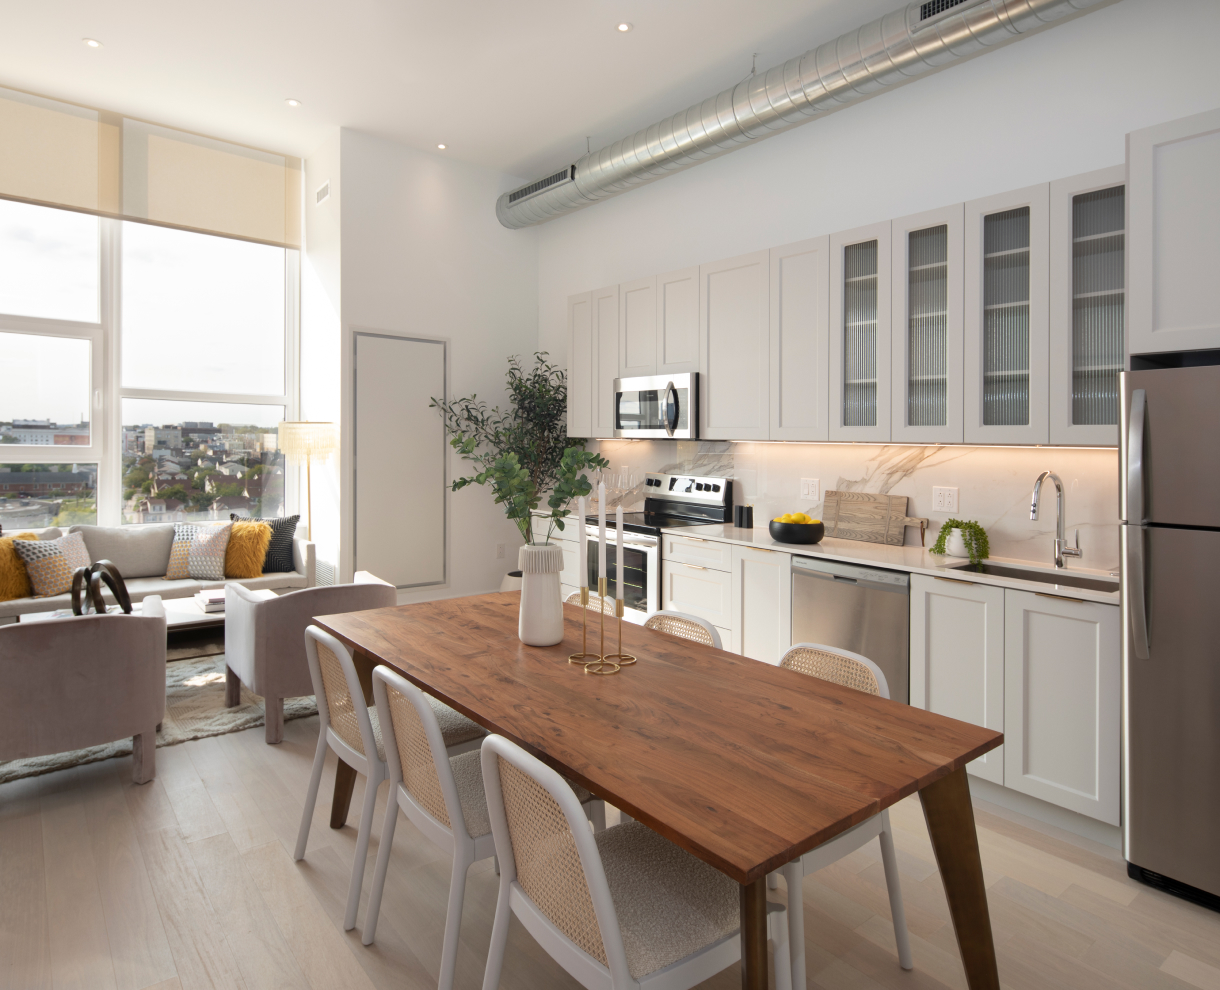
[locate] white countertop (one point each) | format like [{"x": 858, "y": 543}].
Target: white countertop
[{"x": 914, "y": 560}]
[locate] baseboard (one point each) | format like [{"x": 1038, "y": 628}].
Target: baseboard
[{"x": 1045, "y": 812}]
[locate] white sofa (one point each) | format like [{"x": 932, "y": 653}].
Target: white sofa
[{"x": 141, "y": 554}]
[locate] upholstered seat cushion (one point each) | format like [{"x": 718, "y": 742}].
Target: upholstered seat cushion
[
  {"x": 137, "y": 551},
  {"x": 274, "y": 582},
  {"x": 669, "y": 903},
  {"x": 468, "y": 775},
  {"x": 455, "y": 727}
]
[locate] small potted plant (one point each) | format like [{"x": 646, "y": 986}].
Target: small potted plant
[
  {"x": 524, "y": 452},
  {"x": 962, "y": 539}
]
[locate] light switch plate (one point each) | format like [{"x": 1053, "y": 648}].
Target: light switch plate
[
  {"x": 811, "y": 489},
  {"x": 944, "y": 499}
]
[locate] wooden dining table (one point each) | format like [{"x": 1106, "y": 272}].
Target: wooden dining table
[{"x": 744, "y": 764}]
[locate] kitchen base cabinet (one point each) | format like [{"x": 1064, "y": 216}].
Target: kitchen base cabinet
[
  {"x": 957, "y": 657},
  {"x": 697, "y": 591},
  {"x": 1062, "y": 695},
  {"x": 762, "y": 603}
]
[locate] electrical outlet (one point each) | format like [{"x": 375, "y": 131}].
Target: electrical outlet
[
  {"x": 500, "y": 551},
  {"x": 811, "y": 489},
  {"x": 944, "y": 499}
]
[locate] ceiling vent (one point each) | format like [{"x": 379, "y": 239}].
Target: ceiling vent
[{"x": 908, "y": 42}]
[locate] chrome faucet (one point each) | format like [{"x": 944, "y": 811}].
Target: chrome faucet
[{"x": 1061, "y": 544}]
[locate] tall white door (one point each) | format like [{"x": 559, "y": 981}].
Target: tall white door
[
  {"x": 762, "y": 603},
  {"x": 678, "y": 322},
  {"x": 1007, "y": 269},
  {"x": 1173, "y": 181},
  {"x": 637, "y": 328},
  {"x": 604, "y": 333},
  {"x": 957, "y": 657},
  {"x": 799, "y": 342},
  {"x": 734, "y": 363},
  {"x": 399, "y": 459},
  {"x": 580, "y": 366},
  {"x": 860, "y": 347}
]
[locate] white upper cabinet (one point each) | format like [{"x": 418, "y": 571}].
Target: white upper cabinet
[
  {"x": 1007, "y": 270},
  {"x": 580, "y": 366},
  {"x": 1173, "y": 182},
  {"x": 733, "y": 349},
  {"x": 677, "y": 322},
  {"x": 604, "y": 333},
  {"x": 860, "y": 334},
  {"x": 637, "y": 328},
  {"x": 1087, "y": 306},
  {"x": 800, "y": 276},
  {"x": 927, "y": 327}
]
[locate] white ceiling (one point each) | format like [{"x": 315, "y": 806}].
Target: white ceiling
[{"x": 512, "y": 86}]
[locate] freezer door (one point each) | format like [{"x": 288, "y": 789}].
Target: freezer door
[
  {"x": 1176, "y": 468},
  {"x": 1171, "y": 712}
]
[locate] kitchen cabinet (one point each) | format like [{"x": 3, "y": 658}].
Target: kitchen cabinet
[
  {"x": 927, "y": 342},
  {"x": 1062, "y": 694},
  {"x": 1173, "y": 214},
  {"x": 677, "y": 322},
  {"x": 733, "y": 348},
  {"x": 860, "y": 286},
  {"x": 800, "y": 350},
  {"x": 637, "y": 328},
  {"x": 1006, "y": 312},
  {"x": 701, "y": 553},
  {"x": 761, "y": 603},
  {"x": 603, "y": 310},
  {"x": 1087, "y": 306},
  {"x": 699, "y": 591},
  {"x": 957, "y": 657},
  {"x": 580, "y": 365}
]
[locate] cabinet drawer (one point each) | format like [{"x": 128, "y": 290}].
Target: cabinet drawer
[
  {"x": 699, "y": 591},
  {"x": 701, "y": 553}
]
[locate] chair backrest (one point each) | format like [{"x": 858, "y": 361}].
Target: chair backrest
[
  {"x": 687, "y": 626},
  {"x": 603, "y": 605},
  {"x": 545, "y": 845},
  {"x": 340, "y": 697},
  {"x": 840, "y": 666},
  {"x": 415, "y": 748}
]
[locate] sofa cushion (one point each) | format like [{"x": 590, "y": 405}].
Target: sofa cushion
[
  {"x": 51, "y": 563},
  {"x": 279, "y": 552},
  {"x": 274, "y": 582},
  {"x": 137, "y": 551},
  {"x": 141, "y": 588}
]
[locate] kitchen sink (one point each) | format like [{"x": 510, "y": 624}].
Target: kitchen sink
[{"x": 1064, "y": 579}]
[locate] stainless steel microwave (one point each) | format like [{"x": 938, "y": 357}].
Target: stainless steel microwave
[{"x": 659, "y": 407}]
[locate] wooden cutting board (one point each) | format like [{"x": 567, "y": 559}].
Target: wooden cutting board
[{"x": 869, "y": 518}]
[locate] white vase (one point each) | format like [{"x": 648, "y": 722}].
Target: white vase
[
  {"x": 955, "y": 546},
  {"x": 541, "y": 619}
]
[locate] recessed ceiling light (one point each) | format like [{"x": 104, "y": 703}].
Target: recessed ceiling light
[
  {"x": 624, "y": 27},
  {"x": 293, "y": 103},
  {"x": 441, "y": 146},
  {"x": 92, "y": 43}
]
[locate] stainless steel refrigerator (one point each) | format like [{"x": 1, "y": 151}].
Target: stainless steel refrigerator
[{"x": 1170, "y": 512}]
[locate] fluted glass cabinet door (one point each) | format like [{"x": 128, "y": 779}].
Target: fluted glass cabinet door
[
  {"x": 1088, "y": 305},
  {"x": 927, "y": 327},
  {"x": 1006, "y": 313},
  {"x": 860, "y": 275}
]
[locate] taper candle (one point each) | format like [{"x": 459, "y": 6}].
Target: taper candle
[
  {"x": 601, "y": 530},
  {"x": 618, "y": 555},
  {"x": 582, "y": 556}
]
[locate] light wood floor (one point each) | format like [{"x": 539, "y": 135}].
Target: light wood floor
[{"x": 188, "y": 882}]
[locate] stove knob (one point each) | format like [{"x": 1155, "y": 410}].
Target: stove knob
[
  {"x": 699, "y": 486},
  {"x": 715, "y": 488}
]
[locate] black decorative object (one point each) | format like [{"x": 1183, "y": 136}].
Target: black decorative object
[{"x": 89, "y": 580}]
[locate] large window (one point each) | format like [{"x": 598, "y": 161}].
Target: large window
[{"x": 163, "y": 358}]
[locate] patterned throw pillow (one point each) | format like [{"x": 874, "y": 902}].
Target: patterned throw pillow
[
  {"x": 198, "y": 552},
  {"x": 14, "y": 581},
  {"x": 279, "y": 553},
  {"x": 50, "y": 563},
  {"x": 180, "y": 552}
]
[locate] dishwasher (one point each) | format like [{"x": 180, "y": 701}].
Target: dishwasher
[{"x": 862, "y": 609}]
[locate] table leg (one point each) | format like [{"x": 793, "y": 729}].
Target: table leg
[
  {"x": 754, "y": 935},
  {"x": 950, "y": 818},
  {"x": 345, "y": 783}
]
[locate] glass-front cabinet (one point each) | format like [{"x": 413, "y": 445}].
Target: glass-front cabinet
[
  {"x": 1087, "y": 305},
  {"x": 1006, "y": 329},
  {"x": 927, "y": 327},
  {"x": 860, "y": 276}
]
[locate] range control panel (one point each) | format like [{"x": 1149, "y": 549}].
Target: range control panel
[{"x": 688, "y": 488}]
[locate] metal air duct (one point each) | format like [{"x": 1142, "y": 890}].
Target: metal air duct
[{"x": 908, "y": 42}]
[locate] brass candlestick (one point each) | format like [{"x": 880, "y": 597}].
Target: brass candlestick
[
  {"x": 584, "y": 654},
  {"x": 621, "y": 658},
  {"x": 602, "y": 664}
]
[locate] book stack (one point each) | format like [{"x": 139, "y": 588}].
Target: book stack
[{"x": 212, "y": 600}]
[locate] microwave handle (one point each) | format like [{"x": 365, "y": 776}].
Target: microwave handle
[{"x": 671, "y": 409}]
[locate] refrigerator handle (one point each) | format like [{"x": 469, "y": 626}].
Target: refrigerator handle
[
  {"x": 1135, "y": 458},
  {"x": 1137, "y": 602}
]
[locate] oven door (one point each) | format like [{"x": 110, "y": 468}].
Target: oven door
[
  {"x": 660, "y": 407},
  {"x": 641, "y": 571}
]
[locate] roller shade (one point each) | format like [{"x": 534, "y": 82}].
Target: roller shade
[{"x": 62, "y": 155}]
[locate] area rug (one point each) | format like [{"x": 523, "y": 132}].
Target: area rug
[{"x": 194, "y": 708}]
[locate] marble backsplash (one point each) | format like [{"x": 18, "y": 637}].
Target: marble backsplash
[{"x": 994, "y": 485}]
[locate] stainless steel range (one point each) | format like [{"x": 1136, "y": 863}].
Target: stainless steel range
[{"x": 671, "y": 501}]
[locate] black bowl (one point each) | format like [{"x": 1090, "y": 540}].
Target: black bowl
[{"x": 796, "y": 532}]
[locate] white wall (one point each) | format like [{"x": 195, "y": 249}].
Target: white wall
[{"x": 423, "y": 254}]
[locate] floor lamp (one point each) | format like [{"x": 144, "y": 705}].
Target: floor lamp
[{"x": 302, "y": 441}]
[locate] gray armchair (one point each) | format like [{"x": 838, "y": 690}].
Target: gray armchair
[
  {"x": 83, "y": 681},
  {"x": 265, "y": 640}
]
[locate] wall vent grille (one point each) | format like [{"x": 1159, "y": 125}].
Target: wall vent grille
[
  {"x": 934, "y": 7},
  {"x": 567, "y": 175},
  {"x": 323, "y": 193}
]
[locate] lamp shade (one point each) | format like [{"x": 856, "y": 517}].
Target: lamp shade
[{"x": 299, "y": 441}]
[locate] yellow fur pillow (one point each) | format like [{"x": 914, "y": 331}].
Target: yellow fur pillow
[
  {"x": 14, "y": 580},
  {"x": 247, "y": 547}
]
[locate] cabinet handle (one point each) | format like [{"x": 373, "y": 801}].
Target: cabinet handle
[
  {"x": 952, "y": 580},
  {"x": 1062, "y": 598},
  {"x": 695, "y": 566}
]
